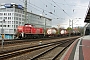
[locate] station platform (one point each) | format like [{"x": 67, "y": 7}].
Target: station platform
[{"x": 79, "y": 50}]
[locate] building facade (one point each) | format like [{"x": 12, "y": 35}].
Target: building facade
[{"x": 12, "y": 15}]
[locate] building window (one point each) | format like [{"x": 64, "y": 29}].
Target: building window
[
  {"x": 8, "y": 25},
  {"x": 19, "y": 23},
  {"x": 4, "y": 25},
  {"x": 3, "y": 10},
  {"x": 0, "y": 21},
  {"x": 14, "y": 29},
  {"x": 12, "y": 25},
  {"x": 0, "y": 25},
  {"x": 9, "y": 22},
  {"x": 16, "y": 18},
  {"x": 12, "y": 18},
  {"x": 16, "y": 22},
  {"x": 22, "y": 22},
  {"x": 16, "y": 25},
  {"x": 1, "y": 18},
  {"x": 23, "y": 12},
  {"x": 5, "y": 17},
  {"x": 19, "y": 15},
  {"x": 12, "y": 9},
  {"x": 12, "y": 14},
  {"x": 9, "y": 14},
  {"x": 19, "y": 18},
  {"x": 9, "y": 18},
  {"x": 12, "y": 22},
  {"x": 22, "y": 15},
  {"x": 4, "y": 13},
  {"x": 1, "y": 14},
  {"x": 16, "y": 14}
]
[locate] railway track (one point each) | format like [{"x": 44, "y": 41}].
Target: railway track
[
  {"x": 13, "y": 53},
  {"x": 54, "y": 52},
  {"x": 16, "y": 41},
  {"x": 28, "y": 44}
]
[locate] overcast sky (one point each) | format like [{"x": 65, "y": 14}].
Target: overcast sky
[{"x": 60, "y": 11}]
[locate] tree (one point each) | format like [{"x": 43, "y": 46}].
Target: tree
[{"x": 69, "y": 28}]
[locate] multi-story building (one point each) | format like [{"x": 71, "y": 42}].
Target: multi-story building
[{"x": 12, "y": 15}]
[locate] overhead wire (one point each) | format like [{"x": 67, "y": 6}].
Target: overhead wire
[
  {"x": 47, "y": 7},
  {"x": 61, "y": 8},
  {"x": 42, "y": 2},
  {"x": 30, "y": 5},
  {"x": 45, "y": 10},
  {"x": 73, "y": 11},
  {"x": 42, "y": 9},
  {"x": 53, "y": 6},
  {"x": 71, "y": 4}
]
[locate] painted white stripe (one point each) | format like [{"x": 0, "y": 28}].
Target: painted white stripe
[{"x": 76, "y": 56}]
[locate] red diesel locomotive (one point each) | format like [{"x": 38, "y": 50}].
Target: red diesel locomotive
[{"x": 28, "y": 31}]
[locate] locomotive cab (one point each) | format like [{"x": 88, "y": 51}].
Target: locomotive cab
[
  {"x": 19, "y": 31},
  {"x": 22, "y": 30}
]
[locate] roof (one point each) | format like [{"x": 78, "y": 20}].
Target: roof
[
  {"x": 11, "y": 5},
  {"x": 40, "y": 16},
  {"x": 87, "y": 19}
]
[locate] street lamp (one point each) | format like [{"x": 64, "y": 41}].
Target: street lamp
[{"x": 2, "y": 33}]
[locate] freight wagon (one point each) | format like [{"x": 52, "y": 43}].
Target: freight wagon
[{"x": 29, "y": 31}]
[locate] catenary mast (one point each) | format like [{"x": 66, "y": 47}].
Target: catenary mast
[{"x": 25, "y": 11}]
